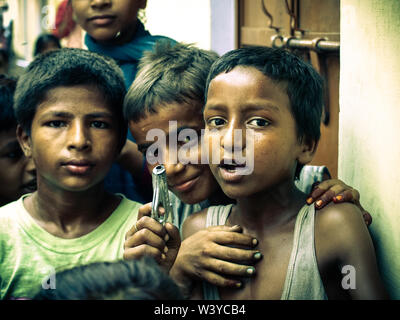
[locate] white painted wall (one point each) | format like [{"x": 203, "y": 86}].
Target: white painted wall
[
  {"x": 187, "y": 21},
  {"x": 369, "y": 122}
]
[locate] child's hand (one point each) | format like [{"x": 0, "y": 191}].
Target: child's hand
[
  {"x": 149, "y": 237},
  {"x": 210, "y": 255},
  {"x": 337, "y": 191}
]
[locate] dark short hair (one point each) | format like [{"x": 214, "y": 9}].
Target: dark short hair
[
  {"x": 170, "y": 73},
  {"x": 69, "y": 67},
  {"x": 43, "y": 41},
  {"x": 7, "y": 89},
  {"x": 122, "y": 280},
  {"x": 304, "y": 86}
]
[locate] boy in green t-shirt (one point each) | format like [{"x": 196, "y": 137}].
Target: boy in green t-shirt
[{"x": 69, "y": 108}]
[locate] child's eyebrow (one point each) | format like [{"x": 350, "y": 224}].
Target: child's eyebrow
[
  {"x": 247, "y": 107},
  {"x": 215, "y": 107},
  {"x": 68, "y": 115},
  {"x": 99, "y": 115},
  {"x": 258, "y": 107}
]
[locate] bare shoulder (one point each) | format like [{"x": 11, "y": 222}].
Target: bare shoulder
[
  {"x": 339, "y": 227},
  {"x": 195, "y": 222},
  {"x": 339, "y": 219}
]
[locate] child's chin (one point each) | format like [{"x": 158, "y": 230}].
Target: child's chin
[{"x": 191, "y": 198}]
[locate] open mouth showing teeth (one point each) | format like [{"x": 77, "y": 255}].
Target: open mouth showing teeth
[{"x": 231, "y": 167}]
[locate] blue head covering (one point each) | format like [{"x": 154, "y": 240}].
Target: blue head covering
[{"x": 128, "y": 55}]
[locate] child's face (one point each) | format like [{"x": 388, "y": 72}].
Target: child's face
[
  {"x": 17, "y": 173},
  {"x": 74, "y": 138},
  {"x": 192, "y": 183},
  {"x": 103, "y": 19},
  {"x": 245, "y": 98}
]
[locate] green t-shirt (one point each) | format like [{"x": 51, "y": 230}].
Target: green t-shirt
[{"x": 30, "y": 257}]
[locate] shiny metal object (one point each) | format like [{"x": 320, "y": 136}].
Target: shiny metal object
[{"x": 160, "y": 196}]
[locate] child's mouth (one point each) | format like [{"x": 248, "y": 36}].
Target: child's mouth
[
  {"x": 102, "y": 20},
  {"x": 230, "y": 171}
]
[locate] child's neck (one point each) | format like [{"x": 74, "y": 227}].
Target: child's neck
[
  {"x": 71, "y": 214},
  {"x": 268, "y": 209},
  {"x": 220, "y": 198}
]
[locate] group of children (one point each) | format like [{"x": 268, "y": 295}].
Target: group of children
[{"x": 235, "y": 236}]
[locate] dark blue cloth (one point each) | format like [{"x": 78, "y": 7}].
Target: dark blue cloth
[{"x": 127, "y": 57}]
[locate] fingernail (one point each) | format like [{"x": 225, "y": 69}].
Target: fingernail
[
  {"x": 319, "y": 203},
  {"x": 166, "y": 238},
  {"x": 238, "y": 284},
  {"x": 257, "y": 255},
  {"x": 309, "y": 200},
  {"x": 165, "y": 249},
  {"x": 250, "y": 270},
  {"x": 254, "y": 242},
  {"x": 339, "y": 198}
]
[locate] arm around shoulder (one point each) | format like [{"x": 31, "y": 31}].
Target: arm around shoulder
[{"x": 342, "y": 238}]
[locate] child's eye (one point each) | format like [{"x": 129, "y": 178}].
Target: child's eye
[
  {"x": 259, "y": 122},
  {"x": 100, "y": 125},
  {"x": 216, "y": 122},
  {"x": 56, "y": 123}
]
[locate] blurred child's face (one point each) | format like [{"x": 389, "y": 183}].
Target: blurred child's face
[
  {"x": 245, "y": 98},
  {"x": 103, "y": 19},
  {"x": 192, "y": 183},
  {"x": 74, "y": 138},
  {"x": 17, "y": 173}
]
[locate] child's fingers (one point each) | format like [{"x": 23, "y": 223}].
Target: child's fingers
[
  {"x": 174, "y": 239},
  {"x": 151, "y": 224},
  {"x": 145, "y": 236},
  {"x": 231, "y": 269},
  {"x": 232, "y": 238},
  {"x": 328, "y": 196},
  {"x": 348, "y": 196},
  {"x": 143, "y": 250},
  {"x": 144, "y": 210},
  {"x": 235, "y": 228},
  {"x": 236, "y": 255}
]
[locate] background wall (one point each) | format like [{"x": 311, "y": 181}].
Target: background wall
[
  {"x": 183, "y": 20},
  {"x": 369, "y": 130}
]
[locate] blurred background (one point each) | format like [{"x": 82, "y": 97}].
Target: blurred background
[{"x": 354, "y": 44}]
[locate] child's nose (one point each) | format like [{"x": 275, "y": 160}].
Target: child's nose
[
  {"x": 78, "y": 137},
  {"x": 171, "y": 163},
  {"x": 100, "y": 3},
  {"x": 233, "y": 138}
]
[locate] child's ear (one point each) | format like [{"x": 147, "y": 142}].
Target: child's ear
[
  {"x": 308, "y": 149},
  {"x": 24, "y": 141}
]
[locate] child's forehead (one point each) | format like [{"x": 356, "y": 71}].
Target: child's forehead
[
  {"x": 243, "y": 74},
  {"x": 164, "y": 113},
  {"x": 79, "y": 98},
  {"x": 246, "y": 82}
]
